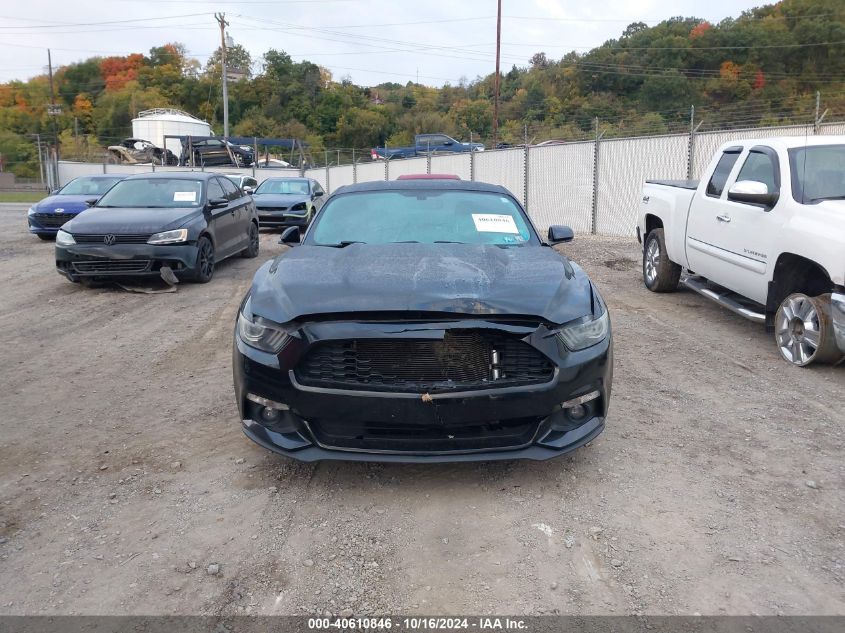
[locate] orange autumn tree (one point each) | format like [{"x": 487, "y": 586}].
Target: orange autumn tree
[{"x": 118, "y": 71}]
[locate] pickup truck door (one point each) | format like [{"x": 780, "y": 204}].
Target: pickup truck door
[
  {"x": 432, "y": 143},
  {"x": 742, "y": 243},
  {"x": 704, "y": 222}
]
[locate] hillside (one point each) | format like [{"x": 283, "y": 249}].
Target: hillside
[{"x": 761, "y": 67}]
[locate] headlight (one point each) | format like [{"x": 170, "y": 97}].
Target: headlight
[
  {"x": 260, "y": 333},
  {"x": 30, "y": 211},
  {"x": 299, "y": 206},
  {"x": 63, "y": 238},
  {"x": 585, "y": 334},
  {"x": 169, "y": 237}
]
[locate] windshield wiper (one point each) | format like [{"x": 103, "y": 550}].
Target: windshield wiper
[
  {"x": 448, "y": 242},
  {"x": 342, "y": 244}
]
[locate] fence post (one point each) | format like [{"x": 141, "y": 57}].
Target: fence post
[
  {"x": 525, "y": 168},
  {"x": 386, "y": 169},
  {"x": 428, "y": 163},
  {"x": 594, "y": 219},
  {"x": 354, "y": 169},
  {"x": 691, "y": 142},
  {"x": 328, "y": 180},
  {"x": 472, "y": 165}
]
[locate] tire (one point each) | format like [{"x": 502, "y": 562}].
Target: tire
[
  {"x": 252, "y": 250},
  {"x": 205, "y": 261},
  {"x": 660, "y": 274},
  {"x": 804, "y": 331},
  {"x": 46, "y": 238},
  {"x": 112, "y": 159}
]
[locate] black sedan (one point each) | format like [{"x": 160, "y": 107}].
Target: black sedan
[
  {"x": 185, "y": 221},
  {"x": 283, "y": 202},
  {"x": 422, "y": 320}
]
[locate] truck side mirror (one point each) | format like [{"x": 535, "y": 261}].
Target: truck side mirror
[
  {"x": 752, "y": 192},
  {"x": 559, "y": 234}
]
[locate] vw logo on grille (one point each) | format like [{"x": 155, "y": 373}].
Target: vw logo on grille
[{"x": 109, "y": 239}]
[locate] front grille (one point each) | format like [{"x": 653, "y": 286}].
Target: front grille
[
  {"x": 271, "y": 209},
  {"x": 462, "y": 359},
  {"x": 52, "y": 220},
  {"x": 112, "y": 266},
  {"x": 397, "y": 437},
  {"x": 129, "y": 238}
]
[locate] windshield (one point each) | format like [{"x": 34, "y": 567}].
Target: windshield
[
  {"x": 419, "y": 215},
  {"x": 818, "y": 173},
  {"x": 288, "y": 185},
  {"x": 154, "y": 193},
  {"x": 88, "y": 186}
]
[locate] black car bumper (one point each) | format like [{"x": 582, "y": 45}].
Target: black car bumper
[
  {"x": 86, "y": 261},
  {"x": 279, "y": 220},
  {"x": 513, "y": 422}
]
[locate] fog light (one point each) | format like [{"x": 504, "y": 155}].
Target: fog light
[
  {"x": 577, "y": 412},
  {"x": 268, "y": 414}
]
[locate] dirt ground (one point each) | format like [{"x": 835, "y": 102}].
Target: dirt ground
[{"x": 717, "y": 487}]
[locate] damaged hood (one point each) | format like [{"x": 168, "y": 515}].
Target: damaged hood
[
  {"x": 119, "y": 220},
  {"x": 448, "y": 278}
]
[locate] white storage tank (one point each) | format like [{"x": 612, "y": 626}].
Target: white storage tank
[{"x": 154, "y": 125}]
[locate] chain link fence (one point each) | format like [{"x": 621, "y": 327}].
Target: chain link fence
[{"x": 592, "y": 186}]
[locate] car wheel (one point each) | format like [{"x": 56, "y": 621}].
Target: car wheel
[
  {"x": 252, "y": 250},
  {"x": 660, "y": 274},
  {"x": 804, "y": 331},
  {"x": 205, "y": 261},
  {"x": 46, "y": 238}
]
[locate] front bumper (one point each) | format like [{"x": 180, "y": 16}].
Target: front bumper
[
  {"x": 42, "y": 225},
  {"x": 837, "y": 313},
  {"x": 279, "y": 219},
  {"x": 124, "y": 260},
  {"x": 457, "y": 426}
]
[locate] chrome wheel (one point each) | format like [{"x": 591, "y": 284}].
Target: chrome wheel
[
  {"x": 798, "y": 329},
  {"x": 652, "y": 261}
]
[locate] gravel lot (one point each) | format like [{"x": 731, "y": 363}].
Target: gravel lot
[{"x": 127, "y": 487}]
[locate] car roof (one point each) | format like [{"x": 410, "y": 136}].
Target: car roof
[
  {"x": 177, "y": 175},
  {"x": 101, "y": 176},
  {"x": 431, "y": 185}
]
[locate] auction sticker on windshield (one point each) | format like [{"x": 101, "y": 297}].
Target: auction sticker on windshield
[
  {"x": 494, "y": 223},
  {"x": 184, "y": 196}
]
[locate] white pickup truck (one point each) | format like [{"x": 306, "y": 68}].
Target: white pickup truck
[{"x": 763, "y": 234}]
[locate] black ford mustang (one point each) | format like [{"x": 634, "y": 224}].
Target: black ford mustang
[
  {"x": 422, "y": 321},
  {"x": 185, "y": 221}
]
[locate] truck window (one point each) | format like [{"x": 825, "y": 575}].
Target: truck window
[
  {"x": 721, "y": 173},
  {"x": 760, "y": 168}
]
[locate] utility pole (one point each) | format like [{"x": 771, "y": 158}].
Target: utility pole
[
  {"x": 496, "y": 79},
  {"x": 221, "y": 20},
  {"x": 55, "y": 167}
]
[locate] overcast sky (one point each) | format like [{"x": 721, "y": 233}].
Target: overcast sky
[{"x": 371, "y": 41}]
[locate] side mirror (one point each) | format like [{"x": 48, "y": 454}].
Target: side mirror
[
  {"x": 91, "y": 201},
  {"x": 290, "y": 236},
  {"x": 447, "y": 143},
  {"x": 559, "y": 234},
  {"x": 317, "y": 194},
  {"x": 248, "y": 189},
  {"x": 752, "y": 192},
  {"x": 217, "y": 203}
]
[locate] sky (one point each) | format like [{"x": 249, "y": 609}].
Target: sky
[{"x": 370, "y": 41}]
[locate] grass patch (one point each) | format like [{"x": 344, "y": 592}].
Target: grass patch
[{"x": 21, "y": 196}]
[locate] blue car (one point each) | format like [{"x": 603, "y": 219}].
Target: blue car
[{"x": 47, "y": 216}]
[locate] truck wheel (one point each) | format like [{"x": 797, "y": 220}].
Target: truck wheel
[
  {"x": 660, "y": 274},
  {"x": 804, "y": 331}
]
